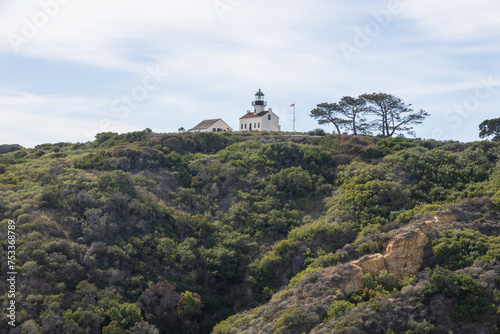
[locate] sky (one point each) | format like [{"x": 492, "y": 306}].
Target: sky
[{"x": 70, "y": 69}]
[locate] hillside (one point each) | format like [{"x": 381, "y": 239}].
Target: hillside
[{"x": 178, "y": 233}]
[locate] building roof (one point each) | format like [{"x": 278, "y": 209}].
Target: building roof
[
  {"x": 259, "y": 93},
  {"x": 252, "y": 115},
  {"x": 206, "y": 124}
]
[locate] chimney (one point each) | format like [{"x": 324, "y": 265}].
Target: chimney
[
  {"x": 248, "y": 111},
  {"x": 270, "y": 109}
]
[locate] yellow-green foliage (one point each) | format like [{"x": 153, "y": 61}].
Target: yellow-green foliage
[
  {"x": 440, "y": 172},
  {"x": 306, "y": 274},
  {"x": 459, "y": 249},
  {"x": 338, "y": 308},
  {"x": 423, "y": 327},
  {"x": 493, "y": 187},
  {"x": 407, "y": 215},
  {"x": 293, "y": 320},
  {"x": 234, "y": 324},
  {"x": 368, "y": 194},
  {"x": 326, "y": 260},
  {"x": 378, "y": 285}
]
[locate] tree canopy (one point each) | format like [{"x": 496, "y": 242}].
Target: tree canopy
[
  {"x": 370, "y": 112},
  {"x": 353, "y": 110},
  {"x": 328, "y": 113},
  {"x": 490, "y": 127}
]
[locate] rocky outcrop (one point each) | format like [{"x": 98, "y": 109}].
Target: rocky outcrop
[
  {"x": 403, "y": 257},
  {"x": 371, "y": 263},
  {"x": 349, "y": 278},
  {"x": 404, "y": 254}
]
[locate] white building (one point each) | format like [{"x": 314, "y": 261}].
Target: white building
[
  {"x": 260, "y": 119},
  {"x": 211, "y": 125}
]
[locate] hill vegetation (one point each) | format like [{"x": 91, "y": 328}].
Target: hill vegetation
[{"x": 242, "y": 233}]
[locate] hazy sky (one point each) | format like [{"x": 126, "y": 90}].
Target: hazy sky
[{"x": 70, "y": 68}]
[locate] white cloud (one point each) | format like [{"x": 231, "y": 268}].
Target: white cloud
[
  {"x": 288, "y": 48},
  {"x": 27, "y": 118},
  {"x": 456, "y": 20},
  {"x": 111, "y": 33}
]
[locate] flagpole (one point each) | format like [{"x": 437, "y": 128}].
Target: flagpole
[{"x": 294, "y": 120}]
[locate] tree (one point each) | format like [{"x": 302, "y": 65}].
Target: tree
[
  {"x": 490, "y": 127},
  {"x": 189, "y": 305},
  {"x": 124, "y": 316},
  {"x": 393, "y": 115},
  {"x": 353, "y": 109},
  {"x": 159, "y": 306},
  {"x": 328, "y": 113}
]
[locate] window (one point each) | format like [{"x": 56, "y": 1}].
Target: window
[
  {"x": 255, "y": 125},
  {"x": 268, "y": 117},
  {"x": 214, "y": 130},
  {"x": 242, "y": 126},
  {"x": 245, "y": 126},
  {"x": 258, "y": 124}
]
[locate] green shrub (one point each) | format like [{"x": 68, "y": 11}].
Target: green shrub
[
  {"x": 377, "y": 285},
  {"x": 395, "y": 144},
  {"x": 117, "y": 181},
  {"x": 368, "y": 194},
  {"x": 9, "y": 148},
  {"x": 325, "y": 260},
  {"x": 372, "y": 152},
  {"x": 338, "y": 308},
  {"x": 307, "y": 273},
  {"x": 438, "y": 172},
  {"x": 407, "y": 215},
  {"x": 469, "y": 293},
  {"x": 293, "y": 321},
  {"x": 424, "y": 327},
  {"x": 293, "y": 181},
  {"x": 96, "y": 160},
  {"x": 368, "y": 247},
  {"x": 317, "y": 132},
  {"x": 459, "y": 249}
]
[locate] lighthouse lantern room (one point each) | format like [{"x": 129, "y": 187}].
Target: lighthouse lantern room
[{"x": 259, "y": 104}]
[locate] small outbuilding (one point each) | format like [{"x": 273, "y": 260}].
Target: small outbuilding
[{"x": 211, "y": 125}]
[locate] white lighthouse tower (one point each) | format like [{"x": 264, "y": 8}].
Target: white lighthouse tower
[
  {"x": 259, "y": 104},
  {"x": 260, "y": 119}
]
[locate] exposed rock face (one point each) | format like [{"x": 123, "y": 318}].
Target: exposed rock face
[
  {"x": 403, "y": 257},
  {"x": 350, "y": 278},
  {"x": 371, "y": 263},
  {"x": 404, "y": 254}
]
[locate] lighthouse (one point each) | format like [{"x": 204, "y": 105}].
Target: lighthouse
[
  {"x": 259, "y": 104},
  {"x": 260, "y": 119}
]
